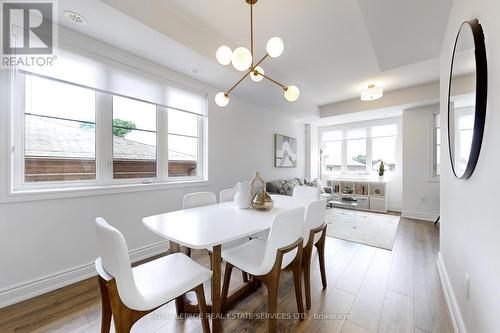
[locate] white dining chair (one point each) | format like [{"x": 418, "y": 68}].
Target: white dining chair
[
  {"x": 314, "y": 235},
  {"x": 227, "y": 195},
  {"x": 264, "y": 260},
  {"x": 128, "y": 294},
  {"x": 198, "y": 199},
  {"x": 306, "y": 193},
  {"x": 303, "y": 194}
]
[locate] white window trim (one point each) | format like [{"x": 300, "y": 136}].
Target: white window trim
[
  {"x": 18, "y": 190},
  {"x": 433, "y": 176}
]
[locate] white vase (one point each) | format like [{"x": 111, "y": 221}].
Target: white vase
[{"x": 242, "y": 199}]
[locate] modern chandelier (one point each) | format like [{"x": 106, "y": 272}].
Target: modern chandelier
[{"x": 243, "y": 60}]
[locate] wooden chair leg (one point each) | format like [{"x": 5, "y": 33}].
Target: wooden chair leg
[
  {"x": 306, "y": 266},
  {"x": 105, "y": 307},
  {"x": 320, "y": 246},
  {"x": 225, "y": 284},
  {"x": 210, "y": 257},
  {"x": 123, "y": 317},
  {"x": 272, "y": 283},
  {"x": 297, "y": 278},
  {"x": 200, "y": 295}
]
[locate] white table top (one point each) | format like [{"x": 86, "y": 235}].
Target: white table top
[{"x": 207, "y": 226}]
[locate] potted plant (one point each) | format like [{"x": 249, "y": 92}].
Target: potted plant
[{"x": 381, "y": 169}]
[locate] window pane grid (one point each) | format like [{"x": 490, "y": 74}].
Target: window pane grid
[
  {"x": 183, "y": 144},
  {"x": 134, "y": 139},
  {"x": 359, "y": 150},
  {"x": 62, "y": 130},
  {"x": 59, "y": 144}
]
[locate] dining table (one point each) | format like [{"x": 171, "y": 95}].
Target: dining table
[{"x": 208, "y": 227}]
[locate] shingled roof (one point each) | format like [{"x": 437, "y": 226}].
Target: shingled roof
[{"x": 56, "y": 138}]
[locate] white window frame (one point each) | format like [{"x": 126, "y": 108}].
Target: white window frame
[
  {"x": 434, "y": 176},
  {"x": 366, "y": 125},
  {"x": 103, "y": 153}
]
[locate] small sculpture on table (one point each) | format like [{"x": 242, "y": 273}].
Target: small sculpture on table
[{"x": 262, "y": 200}]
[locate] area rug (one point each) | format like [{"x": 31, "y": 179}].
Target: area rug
[{"x": 377, "y": 230}]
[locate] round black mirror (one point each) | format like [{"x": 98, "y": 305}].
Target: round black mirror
[{"x": 467, "y": 98}]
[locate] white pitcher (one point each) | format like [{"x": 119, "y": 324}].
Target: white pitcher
[{"x": 243, "y": 199}]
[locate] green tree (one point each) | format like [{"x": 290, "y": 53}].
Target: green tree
[{"x": 120, "y": 127}]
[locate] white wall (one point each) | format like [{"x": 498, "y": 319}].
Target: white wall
[
  {"x": 420, "y": 191},
  {"x": 49, "y": 243},
  {"x": 470, "y": 227}
]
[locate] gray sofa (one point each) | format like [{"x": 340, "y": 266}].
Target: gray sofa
[{"x": 286, "y": 186}]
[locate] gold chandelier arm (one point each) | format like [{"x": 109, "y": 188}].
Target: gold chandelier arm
[
  {"x": 251, "y": 31},
  {"x": 261, "y": 60},
  {"x": 236, "y": 84},
  {"x": 248, "y": 73},
  {"x": 274, "y": 81}
]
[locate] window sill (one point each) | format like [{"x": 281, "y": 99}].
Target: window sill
[{"x": 96, "y": 190}]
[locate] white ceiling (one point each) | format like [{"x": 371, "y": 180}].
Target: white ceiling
[{"x": 329, "y": 51}]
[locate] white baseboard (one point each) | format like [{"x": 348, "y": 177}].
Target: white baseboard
[
  {"x": 419, "y": 215},
  {"x": 451, "y": 302},
  {"x": 395, "y": 209},
  {"x": 23, "y": 291}
]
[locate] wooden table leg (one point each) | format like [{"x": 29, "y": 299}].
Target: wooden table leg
[
  {"x": 216, "y": 289},
  {"x": 179, "y": 301}
]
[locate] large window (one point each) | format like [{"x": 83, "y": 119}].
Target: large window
[
  {"x": 358, "y": 150},
  {"x": 134, "y": 139},
  {"x": 436, "y": 155},
  {"x": 331, "y": 151},
  {"x": 183, "y": 143},
  {"x": 76, "y": 136},
  {"x": 59, "y": 136},
  {"x": 383, "y": 141}
]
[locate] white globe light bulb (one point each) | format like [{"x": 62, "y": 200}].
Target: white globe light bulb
[
  {"x": 275, "y": 47},
  {"x": 224, "y": 55},
  {"x": 258, "y": 77},
  {"x": 221, "y": 99},
  {"x": 242, "y": 59},
  {"x": 291, "y": 93}
]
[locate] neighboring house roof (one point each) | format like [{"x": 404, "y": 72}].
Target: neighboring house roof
[{"x": 55, "y": 138}]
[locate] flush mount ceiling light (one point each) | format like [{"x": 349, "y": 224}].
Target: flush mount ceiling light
[
  {"x": 372, "y": 93},
  {"x": 243, "y": 60},
  {"x": 75, "y": 17}
]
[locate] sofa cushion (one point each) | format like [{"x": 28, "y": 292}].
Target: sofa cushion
[
  {"x": 286, "y": 187},
  {"x": 273, "y": 186}
]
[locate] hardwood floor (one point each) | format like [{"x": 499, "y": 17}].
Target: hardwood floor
[{"x": 369, "y": 291}]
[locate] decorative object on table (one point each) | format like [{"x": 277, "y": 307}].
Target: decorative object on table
[
  {"x": 261, "y": 199},
  {"x": 348, "y": 189},
  {"x": 467, "y": 111},
  {"x": 256, "y": 184},
  {"x": 243, "y": 60},
  {"x": 381, "y": 169},
  {"x": 349, "y": 199},
  {"x": 285, "y": 151},
  {"x": 243, "y": 199}
]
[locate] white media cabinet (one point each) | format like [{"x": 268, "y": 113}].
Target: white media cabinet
[{"x": 372, "y": 195}]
